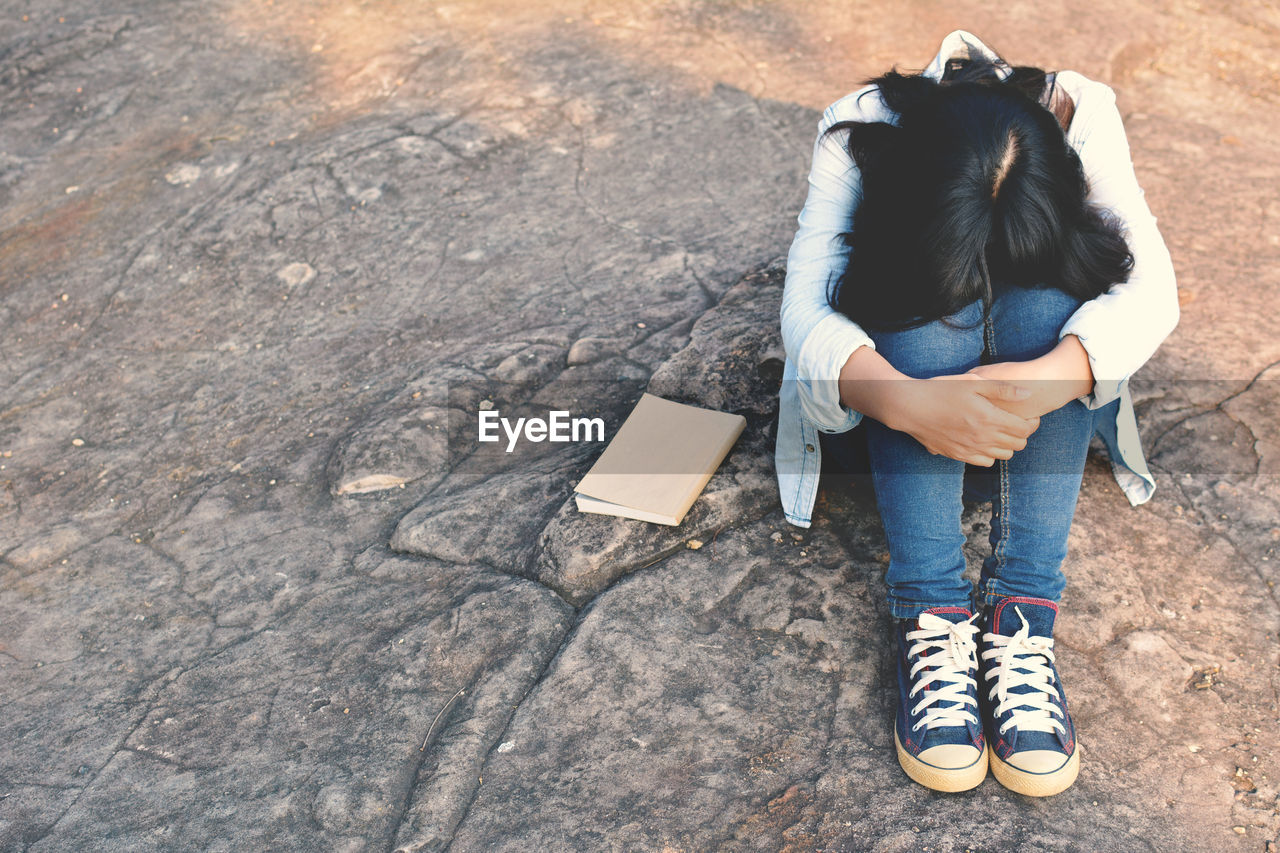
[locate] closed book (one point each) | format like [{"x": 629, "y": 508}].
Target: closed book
[{"x": 659, "y": 461}]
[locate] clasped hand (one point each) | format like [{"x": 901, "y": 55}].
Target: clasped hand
[
  {"x": 983, "y": 415},
  {"x": 976, "y": 417}
]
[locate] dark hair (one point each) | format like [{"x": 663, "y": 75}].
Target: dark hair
[{"x": 974, "y": 188}]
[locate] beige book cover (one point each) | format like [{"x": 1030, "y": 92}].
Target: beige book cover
[{"x": 659, "y": 461}]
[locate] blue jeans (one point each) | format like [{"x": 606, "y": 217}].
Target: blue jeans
[{"x": 1033, "y": 494}]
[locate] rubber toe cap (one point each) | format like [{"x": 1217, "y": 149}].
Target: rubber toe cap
[
  {"x": 950, "y": 756},
  {"x": 1038, "y": 760}
]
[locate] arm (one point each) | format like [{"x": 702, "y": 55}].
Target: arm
[
  {"x": 817, "y": 338},
  {"x": 1122, "y": 328}
]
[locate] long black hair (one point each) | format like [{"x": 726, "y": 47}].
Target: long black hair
[{"x": 974, "y": 188}]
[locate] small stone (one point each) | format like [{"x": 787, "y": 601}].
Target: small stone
[
  {"x": 296, "y": 274},
  {"x": 371, "y": 483},
  {"x": 486, "y": 405},
  {"x": 1204, "y": 677},
  {"x": 1195, "y": 748},
  {"x": 775, "y": 536},
  {"x": 640, "y": 325},
  {"x": 694, "y": 544},
  {"x": 1242, "y": 782},
  {"x": 77, "y": 442},
  {"x": 506, "y": 746},
  {"x": 183, "y": 175},
  {"x": 1238, "y": 830},
  {"x": 587, "y": 350}
]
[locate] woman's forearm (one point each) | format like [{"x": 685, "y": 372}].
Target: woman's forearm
[
  {"x": 864, "y": 386},
  {"x": 1068, "y": 364}
]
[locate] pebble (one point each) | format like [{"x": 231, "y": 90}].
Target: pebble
[
  {"x": 184, "y": 175},
  {"x": 77, "y": 442},
  {"x": 296, "y": 274},
  {"x": 371, "y": 483},
  {"x": 694, "y": 544},
  {"x": 589, "y": 349},
  {"x": 775, "y": 536}
]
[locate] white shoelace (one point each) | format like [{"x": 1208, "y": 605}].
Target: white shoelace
[
  {"x": 1024, "y": 660},
  {"x": 950, "y": 665}
]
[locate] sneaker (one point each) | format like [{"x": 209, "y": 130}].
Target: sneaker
[
  {"x": 1033, "y": 743},
  {"x": 938, "y": 732}
]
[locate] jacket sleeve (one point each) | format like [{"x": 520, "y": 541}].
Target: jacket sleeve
[
  {"x": 818, "y": 339},
  {"x": 1121, "y": 328}
]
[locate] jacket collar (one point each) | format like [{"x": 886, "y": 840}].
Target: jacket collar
[{"x": 964, "y": 45}]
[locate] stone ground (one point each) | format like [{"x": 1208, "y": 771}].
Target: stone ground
[{"x": 260, "y": 262}]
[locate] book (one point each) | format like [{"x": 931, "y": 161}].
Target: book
[{"x": 659, "y": 461}]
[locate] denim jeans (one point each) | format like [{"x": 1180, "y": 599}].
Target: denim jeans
[{"x": 1033, "y": 494}]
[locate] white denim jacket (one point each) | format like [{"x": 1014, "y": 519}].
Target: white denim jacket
[{"x": 1119, "y": 329}]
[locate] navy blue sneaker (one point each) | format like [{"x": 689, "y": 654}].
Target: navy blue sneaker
[
  {"x": 1033, "y": 743},
  {"x": 938, "y": 732}
]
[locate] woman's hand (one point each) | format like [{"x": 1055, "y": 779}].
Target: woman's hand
[
  {"x": 962, "y": 417},
  {"x": 1055, "y": 379}
]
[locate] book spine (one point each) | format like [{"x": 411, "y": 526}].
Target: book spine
[{"x": 713, "y": 465}]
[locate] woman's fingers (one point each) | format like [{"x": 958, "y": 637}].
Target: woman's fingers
[
  {"x": 1009, "y": 392},
  {"x": 1007, "y": 423},
  {"x": 1008, "y": 435},
  {"x": 984, "y": 461},
  {"x": 960, "y": 420}
]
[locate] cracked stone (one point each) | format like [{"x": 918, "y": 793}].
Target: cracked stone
[
  {"x": 579, "y": 554},
  {"x": 462, "y": 525},
  {"x": 734, "y": 358},
  {"x": 277, "y": 692}
]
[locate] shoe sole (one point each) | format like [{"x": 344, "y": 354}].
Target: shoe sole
[
  {"x": 941, "y": 778},
  {"x": 1036, "y": 784}
]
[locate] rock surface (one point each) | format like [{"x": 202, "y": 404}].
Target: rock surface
[{"x": 261, "y": 586}]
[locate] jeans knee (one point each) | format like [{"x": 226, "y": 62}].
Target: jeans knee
[
  {"x": 942, "y": 347},
  {"x": 1026, "y": 322}
]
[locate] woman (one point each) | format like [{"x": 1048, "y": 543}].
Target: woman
[{"x": 977, "y": 272}]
